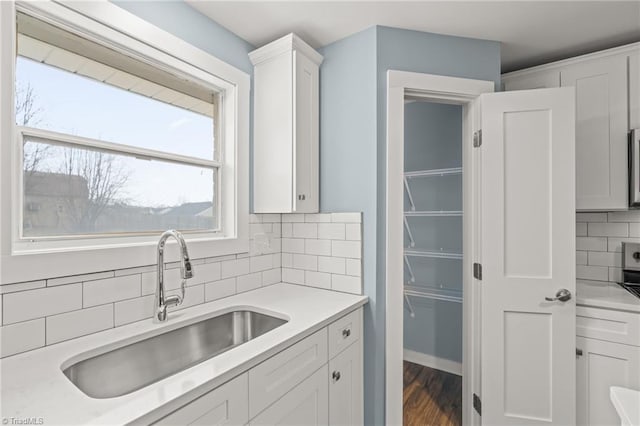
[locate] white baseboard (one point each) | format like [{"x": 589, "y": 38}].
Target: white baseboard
[{"x": 431, "y": 361}]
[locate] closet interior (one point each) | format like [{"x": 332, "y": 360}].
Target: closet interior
[{"x": 433, "y": 264}]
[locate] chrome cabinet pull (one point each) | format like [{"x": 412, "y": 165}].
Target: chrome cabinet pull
[
  {"x": 562, "y": 295},
  {"x": 346, "y": 333},
  {"x": 335, "y": 376}
]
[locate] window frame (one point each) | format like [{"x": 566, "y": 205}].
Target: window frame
[{"x": 26, "y": 260}]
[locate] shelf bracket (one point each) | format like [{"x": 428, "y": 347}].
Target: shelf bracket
[
  {"x": 406, "y": 261},
  {"x": 406, "y": 185},
  {"x": 411, "y": 311},
  {"x": 412, "y": 242}
]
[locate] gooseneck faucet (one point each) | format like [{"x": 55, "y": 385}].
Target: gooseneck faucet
[{"x": 186, "y": 272}]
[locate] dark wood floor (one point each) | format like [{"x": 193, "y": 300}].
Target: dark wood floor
[{"x": 431, "y": 397}]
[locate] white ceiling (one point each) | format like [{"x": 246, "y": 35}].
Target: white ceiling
[{"x": 531, "y": 32}]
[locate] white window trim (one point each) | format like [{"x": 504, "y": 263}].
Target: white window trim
[{"x": 109, "y": 23}]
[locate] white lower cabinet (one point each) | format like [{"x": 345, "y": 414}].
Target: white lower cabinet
[
  {"x": 305, "y": 404},
  {"x": 608, "y": 354},
  {"x": 602, "y": 365},
  {"x": 279, "y": 374},
  {"x": 317, "y": 381},
  {"x": 345, "y": 388}
]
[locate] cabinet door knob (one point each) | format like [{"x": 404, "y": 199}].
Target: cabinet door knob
[
  {"x": 335, "y": 376},
  {"x": 578, "y": 352},
  {"x": 302, "y": 197},
  {"x": 346, "y": 333}
]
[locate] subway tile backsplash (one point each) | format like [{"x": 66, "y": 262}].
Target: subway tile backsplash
[
  {"x": 39, "y": 313},
  {"x": 599, "y": 238},
  {"x": 318, "y": 250},
  {"x": 323, "y": 250}
]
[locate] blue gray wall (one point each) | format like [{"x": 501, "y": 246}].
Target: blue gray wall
[
  {"x": 433, "y": 140},
  {"x": 353, "y": 148},
  {"x": 348, "y": 175}
]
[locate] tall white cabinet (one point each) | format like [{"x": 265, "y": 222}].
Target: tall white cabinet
[
  {"x": 286, "y": 127},
  {"x": 607, "y": 99}
]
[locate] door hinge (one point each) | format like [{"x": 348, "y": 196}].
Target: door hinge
[
  {"x": 477, "y": 404},
  {"x": 477, "y": 138},
  {"x": 477, "y": 271}
]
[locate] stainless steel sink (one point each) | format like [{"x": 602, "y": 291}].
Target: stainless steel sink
[{"x": 132, "y": 367}]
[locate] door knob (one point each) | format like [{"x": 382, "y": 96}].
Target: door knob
[{"x": 562, "y": 295}]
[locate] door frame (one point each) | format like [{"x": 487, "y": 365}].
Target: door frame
[{"x": 440, "y": 89}]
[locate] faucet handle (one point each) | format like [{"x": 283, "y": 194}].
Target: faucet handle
[{"x": 173, "y": 300}]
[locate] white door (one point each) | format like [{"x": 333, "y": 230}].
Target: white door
[{"x": 527, "y": 254}]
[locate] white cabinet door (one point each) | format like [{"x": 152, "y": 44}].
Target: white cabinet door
[
  {"x": 307, "y": 134},
  {"x": 280, "y": 373},
  {"x": 601, "y": 131},
  {"x": 273, "y": 135},
  {"x": 225, "y": 405},
  {"x": 527, "y": 254},
  {"x": 345, "y": 387},
  {"x": 602, "y": 365},
  {"x": 543, "y": 79},
  {"x": 305, "y": 404}
]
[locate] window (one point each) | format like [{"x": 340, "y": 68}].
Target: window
[
  {"x": 110, "y": 144},
  {"x": 116, "y": 131}
]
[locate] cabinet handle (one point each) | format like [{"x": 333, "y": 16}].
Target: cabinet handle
[
  {"x": 578, "y": 352},
  {"x": 302, "y": 197},
  {"x": 335, "y": 376},
  {"x": 346, "y": 333}
]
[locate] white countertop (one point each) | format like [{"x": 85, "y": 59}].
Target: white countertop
[
  {"x": 33, "y": 385},
  {"x": 627, "y": 403},
  {"x": 606, "y": 295}
]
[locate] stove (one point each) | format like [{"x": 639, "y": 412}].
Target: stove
[{"x": 631, "y": 268}]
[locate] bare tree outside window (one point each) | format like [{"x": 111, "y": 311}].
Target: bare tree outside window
[
  {"x": 28, "y": 113},
  {"x": 105, "y": 178}
]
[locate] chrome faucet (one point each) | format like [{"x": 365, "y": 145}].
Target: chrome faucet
[{"x": 186, "y": 272}]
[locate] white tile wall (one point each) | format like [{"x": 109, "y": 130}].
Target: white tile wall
[
  {"x": 39, "y": 313},
  {"x": 599, "y": 238},
  {"x": 323, "y": 250},
  {"x": 79, "y": 323},
  {"x": 318, "y": 250}
]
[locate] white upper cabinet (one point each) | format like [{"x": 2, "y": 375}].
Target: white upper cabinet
[
  {"x": 607, "y": 86},
  {"x": 601, "y": 132},
  {"x": 286, "y": 127}
]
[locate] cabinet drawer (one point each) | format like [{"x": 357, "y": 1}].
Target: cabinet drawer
[
  {"x": 605, "y": 324},
  {"x": 344, "y": 332},
  {"x": 279, "y": 374},
  {"x": 225, "y": 405}
]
